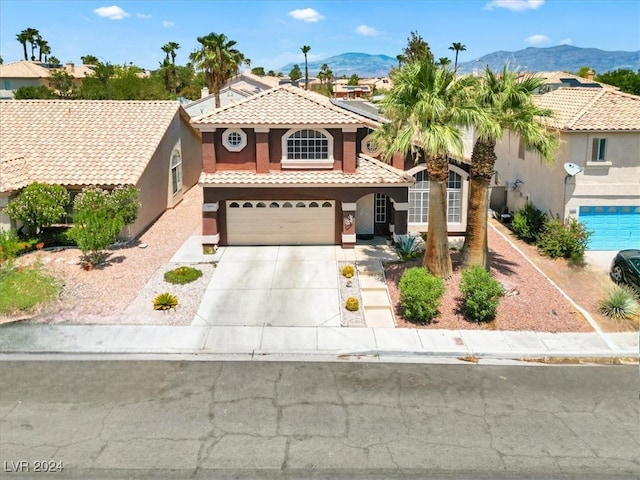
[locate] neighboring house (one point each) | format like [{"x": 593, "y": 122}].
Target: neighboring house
[
  {"x": 35, "y": 74},
  {"x": 600, "y": 137},
  {"x": 236, "y": 89},
  {"x": 555, "y": 80},
  {"x": 148, "y": 144},
  {"x": 287, "y": 167},
  {"x": 342, "y": 90}
]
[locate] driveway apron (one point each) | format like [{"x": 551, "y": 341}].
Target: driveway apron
[{"x": 274, "y": 286}]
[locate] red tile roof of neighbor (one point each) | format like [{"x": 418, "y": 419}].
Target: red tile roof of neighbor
[
  {"x": 82, "y": 142},
  {"x": 283, "y": 106},
  {"x": 591, "y": 109}
]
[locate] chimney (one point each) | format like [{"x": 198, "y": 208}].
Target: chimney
[
  {"x": 69, "y": 67},
  {"x": 204, "y": 92},
  {"x": 589, "y": 75}
]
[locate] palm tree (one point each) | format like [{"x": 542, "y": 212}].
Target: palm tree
[
  {"x": 444, "y": 61},
  {"x": 305, "y": 49},
  {"x": 170, "y": 49},
  {"x": 89, "y": 60},
  {"x": 44, "y": 47},
  {"x": 508, "y": 104},
  {"x": 23, "y": 38},
  {"x": 425, "y": 108},
  {"x": 219, "y": 60},
  {"x": 458, "y": 47},
  {"x": 32, "y": 37}
]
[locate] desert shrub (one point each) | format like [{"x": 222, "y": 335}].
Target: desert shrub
[
  {"x": 620, "y": 303},
  {"x": 407, "y": 247},
  {"x": 99, "y": 215},
  {"x": 348, "y": 271},
  {"x": 38, "y": 205},
  {"x": 528, "y": 222},
  {"x": 420, "y": 294},
  {"x": 559, "y": 240},
  {"x": 165, "y": 301},
  {"x": 352, "y": 304},
  {"x": 480, "y": 294},
  {"x": 182, "y": 275}
]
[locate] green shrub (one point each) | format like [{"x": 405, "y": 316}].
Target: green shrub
[
  {"x": 528, "y": 222},
  {"x": 99, "y": 215},
  {"x": 38, "y": 205},
  {"x": 348, "y": 271},
  {"x": 10, "y": 245},
  {"x": 352, "y": 304},
  {"x": 480, "y": 294},
  {"x": 620, "y": 303},
  {"x": 165, "y": 301},
  {"x": 420, "y": 294},
  {"x": 22, "y": 289},
  {"x": 182, "y": 275},
  {"x": 559, "y": 240}
]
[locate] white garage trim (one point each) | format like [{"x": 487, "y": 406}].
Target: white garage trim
[{"x": 280, "y": 222}]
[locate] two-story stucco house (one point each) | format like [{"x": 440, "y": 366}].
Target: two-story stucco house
[
  {"x": 600, "y": 138},
  {"x": 148, "y": 144},
  {"x": 35, "y": 74},
  {"x": 287, "y": 166}
]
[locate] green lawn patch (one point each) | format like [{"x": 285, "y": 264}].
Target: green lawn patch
[{"x": 24, "y": 288}]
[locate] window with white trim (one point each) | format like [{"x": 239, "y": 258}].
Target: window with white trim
[
  {"x": 380, "y": 208},
  {"x": 176, "y": 172},
  {"x": 234, "y": 139},
  {"x": 598, "y": 149},
  {"x": 419, "y": 198},
  {"x": 307, "y": 148}
]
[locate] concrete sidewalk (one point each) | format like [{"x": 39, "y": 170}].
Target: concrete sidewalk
[{"x": 314, "y": 343}]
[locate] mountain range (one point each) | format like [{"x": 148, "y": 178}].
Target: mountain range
[{"x": 532, "y": 59}]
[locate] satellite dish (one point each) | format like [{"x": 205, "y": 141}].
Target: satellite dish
[{"x": 572, "y": 169}]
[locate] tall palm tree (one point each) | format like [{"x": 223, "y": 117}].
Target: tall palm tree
[
  {"x": 425, "y": 108},
  {"x": 44, "y": 48},
  {"x": 305, "y": 49},
  {"x": 458, "y": 47},
  {"x": 170, "y": 50},
  {"x": 508, "y": 104},
  {"x": 219, "y": 60},
  {"x": 33, "y": 36},
  {"x": 23, "y": 38}
]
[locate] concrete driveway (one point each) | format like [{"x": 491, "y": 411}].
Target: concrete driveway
[{"x": 273, "y": 286}]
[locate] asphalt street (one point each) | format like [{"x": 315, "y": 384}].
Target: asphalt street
[{"x": 153, "y": 419}]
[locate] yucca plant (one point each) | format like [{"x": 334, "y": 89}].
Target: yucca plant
[
  {"x": 620, "y": 303},
  {"x": 165, "y": 301}
]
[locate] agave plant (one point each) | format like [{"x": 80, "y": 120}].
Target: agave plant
[{"x": 165, "y": 301}]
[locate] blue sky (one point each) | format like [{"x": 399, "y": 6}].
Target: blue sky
[{"x": 271, "y": 33}]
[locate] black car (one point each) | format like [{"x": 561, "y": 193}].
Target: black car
[{"x": 625, "y": 268}]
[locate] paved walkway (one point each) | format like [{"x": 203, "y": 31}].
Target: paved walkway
[{"x": 221, "y": 330}]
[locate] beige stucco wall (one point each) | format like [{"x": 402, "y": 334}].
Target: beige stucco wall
[
  {"x": 155, "y": 183},
  {"x": 614, "y": 182}
]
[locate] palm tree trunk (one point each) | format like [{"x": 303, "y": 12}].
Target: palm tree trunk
[
  {"x": 436, "y": 256},
  {"x": 475, "y": 250}
]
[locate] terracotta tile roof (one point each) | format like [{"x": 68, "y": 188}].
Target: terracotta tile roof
[
  {"x": 598, "y": 109},
  {"x": 14, "y": 174},
  {"x": 284, "y": 106},
  {"x": 24, "y": 69},
  {"x": 558, "y": 76},
  {"x": 370, "y": 172},
  {"x": 83, "y": 142}
]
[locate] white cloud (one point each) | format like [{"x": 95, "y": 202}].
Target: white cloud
[
  {"x": 566, "y": 41},
  {"x": 112, "y": 13},
  {"x": 306, "y": 15},
  {"x": 514, "y": 5},
  {"x": 367, "y": 31},
  {"x": 143, "y": 16},
  {"x": 537, "y": 39},
  {"x": 167, "y": 24}
]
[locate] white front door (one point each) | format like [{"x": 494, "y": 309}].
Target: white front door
[{"x": 364, "y": 215}]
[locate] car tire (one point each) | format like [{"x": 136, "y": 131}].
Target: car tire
[{"x": 616, "y": 274}]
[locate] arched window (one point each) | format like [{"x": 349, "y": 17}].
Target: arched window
[
  {"x": 454, "y": 198},
  {"x": 419, "y": 198},
  {"x": 176, "y": 172},
  {"x": 307, "y": 148}
]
